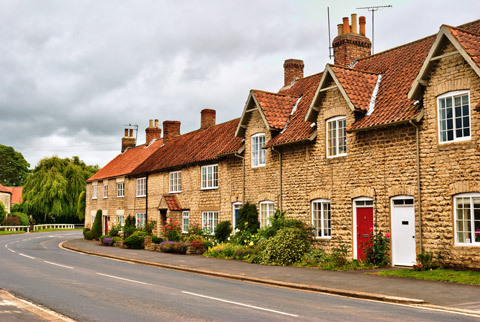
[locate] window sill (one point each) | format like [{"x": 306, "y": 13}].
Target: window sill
[
  {"x": 467, "y": 245},
  {"x": 258, "y": 166},
  {"x": 203, "y": 189},
  {"x": 323, "y": 238},
  {"x": 336, "y": 156},
  {"x": 94, "y": 198},
  {"x": 120, "y": 196},
  {"x": 175, "y": 191},
  {"x": 141, "y": 196}
]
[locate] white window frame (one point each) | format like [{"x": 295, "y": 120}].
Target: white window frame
[
  {"x": 338, "y": 120},
  {"x": 318, "y": 216},
  {"x": 267, "y": 210},
  {"x": 209, "y": 221},
  {"x": 470, "y": 240},
  {"x": 452, "y": 95},
  {"x": 235, "y": 206},
  {"x": 94, "y": 191},
  {"x": 141, "y": 187},
  {"x": 105, "y": 190},
  {"x": 185, "y": 221},
  {"x": 174, "y": 182},
  {"x": 209, "y": 177},
  {"x": 121, "y": 220},
  {"x": 140, "y": 219},
  {"x": 258, "y": 152},
  {"x": 120, "y": 189}
]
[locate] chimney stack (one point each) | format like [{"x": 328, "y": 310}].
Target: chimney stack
[
  {"x": 152, "y": 132},
  {"x": 207, "y": 118},
  {"x": 128, "y": 141},
  {"x": 350, "y": 45},
  {"x": 171, "y": 129},
  {"x": 293, "y": 69}
]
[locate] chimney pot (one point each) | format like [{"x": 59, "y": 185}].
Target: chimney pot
[
  {"x": 293, "y": 69},
  {"x": 346, "y": 25},
  {"x": 354, "y": 23},
  {"x": 131, "y": 133},
  {"x": 171, "y": 129},
  {"x": 207, "y": 118},
  {"x": 126, "y": 133},
  {"x": 362, "y": 22},
  {"x": 156, "y": 123},
  {"x": 150, "y": 123},
  {"x": 340, "y": 29}
]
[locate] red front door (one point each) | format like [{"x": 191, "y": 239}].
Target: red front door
[
  {"x": 364, "y": 228},
  {"x": 105, "y": 221}
]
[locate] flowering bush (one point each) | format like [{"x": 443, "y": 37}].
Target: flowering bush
[
  {"x": 229, "y": 251},
  {"x": 172, "y": 231},
  {"x": 174, "y": 247},
  {"x": 195, "y": 229},
  {"x": 107, "y": 241},
  {"x": 286, "y": 247},
  {"x": 244, "y": 238},
  {"x": 376, "y": 249}
]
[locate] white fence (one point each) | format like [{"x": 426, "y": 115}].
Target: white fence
[
  {"x": 53, "y": 226},
  {"x": 15, "y": 228}
]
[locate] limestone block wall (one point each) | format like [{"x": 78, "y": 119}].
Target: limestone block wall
[{"x": 448, "y": 168}]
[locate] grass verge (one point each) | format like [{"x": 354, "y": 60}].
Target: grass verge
[
  {"x": 3, "y": 232},
  {"x": 444, "y": 275}
]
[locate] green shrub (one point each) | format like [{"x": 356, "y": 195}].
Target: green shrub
[
  {"x": 248, "y": 218},
  {"x": 338, "y": 256},
  {"x": 172, "y": 231},
  {"x": 129, "y": 227},
  {"x": 426, "y": 261},
  {"x": 134, "y": 241},
  {"x": 278, "y": 222},
  {"x": 376, "y": 249},
  {"x": 244, "y": 238},
  {"x": 195, "y": 229},
  {"x": 3, "y": 212},
  {"x": 286, "y": 247},
  {"x": 18, "y": 207},
  {"x": 229, "y": 251},
  {"x": 149, "y": 226},
  {"x": 115, "y": 230},
  {"x": 87, "y": 233},
  {"x": 223, "y": 231},
  {"x": 85, "y": 230},
  {"x": 97, "y": 225},
  {"x": 23, "y": 218},
  {"x": 315, "y": 257},
  {"x": 177, "y": 247},
  {"x": 157, "y": 240},
  {"x": 117, "y": 239}
]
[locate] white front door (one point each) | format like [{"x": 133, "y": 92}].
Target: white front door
[{"x": 403, "y": 231}]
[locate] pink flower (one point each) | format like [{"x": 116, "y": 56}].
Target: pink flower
[
  {"x": 387, "y": 235},
  {"x": 371, "y": 228}
]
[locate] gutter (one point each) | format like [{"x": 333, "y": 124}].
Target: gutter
[
  {"x": 419, "y": 203},
  {"x": 413, "y": 119}
]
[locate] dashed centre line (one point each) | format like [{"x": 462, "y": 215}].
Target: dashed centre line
[
  {"x": 21, "y": 254},
  {"x": 124, "y": 279},
  {"x": 240, "y": 304},
  {"x": 11, "y": 250},
  {"x": 60, "y": 265}
]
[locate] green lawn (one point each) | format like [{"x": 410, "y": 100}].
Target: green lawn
[
  {"x": 444, "y": 275},
  {"x": 2, "y": 232}
]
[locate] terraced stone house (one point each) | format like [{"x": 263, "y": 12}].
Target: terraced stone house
[{"x": 386, "y": 142}]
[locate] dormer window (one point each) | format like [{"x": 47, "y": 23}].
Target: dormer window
[
  {"x": 258, "y": 153},
  {"x": 337, "y": 137},
  {"x": 454, "y": 117}
]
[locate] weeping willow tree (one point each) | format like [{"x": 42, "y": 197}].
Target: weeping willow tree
[{"x": 51, "y": 192}]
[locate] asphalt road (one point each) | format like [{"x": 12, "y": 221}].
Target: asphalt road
[{"x": 91, "y": 288}]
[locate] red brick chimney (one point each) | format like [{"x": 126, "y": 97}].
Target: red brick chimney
[
  {"x": 349, "y": 45},
  {"x": 128, "y": 141},
  {"x": 293, "y": 69},
  {"x": 171, "y": 129},
  {"x": 153, "y": 132},
  {"x": 207, "y": 118}
]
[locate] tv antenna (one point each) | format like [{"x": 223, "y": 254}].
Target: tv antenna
[
  {"x": 135, "y": 127},
  {"x": 329, "y": 39},
  {"x": 373, "y": 9}
]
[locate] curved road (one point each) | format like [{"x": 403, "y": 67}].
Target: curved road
[{"x": 91, "y": 288}]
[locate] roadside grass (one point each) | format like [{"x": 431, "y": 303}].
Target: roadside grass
[
  {"x": 53, "y": 229},
  {"x": 444, "y": 275},
  {"x": 3, "y": 232}
]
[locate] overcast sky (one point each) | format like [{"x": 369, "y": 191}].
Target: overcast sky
[{"x": 74, "y": 73}]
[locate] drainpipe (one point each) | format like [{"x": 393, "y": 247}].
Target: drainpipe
[
  {"x": 280, "y": 201},
  {"x": 243, "y": 176},
  {"x": 417, "y": 137},
  {"x": 146, "y": 200}
]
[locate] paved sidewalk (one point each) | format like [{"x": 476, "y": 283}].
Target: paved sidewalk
[{"x": 351, "y": 283}]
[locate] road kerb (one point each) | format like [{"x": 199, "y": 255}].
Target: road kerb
[{"x": 306, "y": 287}]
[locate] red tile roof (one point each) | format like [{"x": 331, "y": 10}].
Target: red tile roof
[
  {"x": 172, "y": 202},
  {"x": 4, "y": 189},
  {"x": 16, "y": 194},
  {"x": 126, "y": 162},
  {"x": 197, "y": 146},
  {"x": 275, "y": 107},
  {"x": 297, "y": 129},
  {"x": 469, "y": 41}
]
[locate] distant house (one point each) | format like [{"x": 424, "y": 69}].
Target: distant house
[
  {"x": 386, "y": 142},
  {"x": 6, "y": 197}
]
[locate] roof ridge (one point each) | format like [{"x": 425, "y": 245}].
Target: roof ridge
[
  {"x": 468, "y": 23},
  {"x": 273, "y": 93},
  {"x": 462, "y": 30}
]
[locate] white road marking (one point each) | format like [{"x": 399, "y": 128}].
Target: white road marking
[
  {"x": 124, "y": 279},
  {"x": 11, "y": 250},
  {"x": 26, "y": 256},
  {"x": 240, "y": 304},
  {"x": 6, "y": 303},
  {"x": 69, "y": 267}
]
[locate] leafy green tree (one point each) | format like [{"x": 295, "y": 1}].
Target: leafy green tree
[
  {"x": 97, "y": 225},
  {"x": 81, "y": 205},
  {"x": 3, "y": 212},
  {"x": 13, "y": 167},
  {"x": 52, "y": 190}
]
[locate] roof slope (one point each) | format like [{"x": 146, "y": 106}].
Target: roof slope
[
  {"x": 297, "y": 129},
  {"x": 172, "y": 202},
  {"x": 469, "y": 41},
  {"x": 4, "y": 189},
  {"x": 193, "y": 147},
  {"x": 126, "y": 162},
  {"x": 16, "y": 194},
  {"x": 275, "y": 107}
]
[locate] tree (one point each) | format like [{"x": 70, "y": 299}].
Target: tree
[
  {"x": 81, "y": 206},
  {"x": 3, "y": 212},
  {"x": 248, "y": 220},
  {"x": 52, "y": 190},
  {"x": 97, "y": 225},
  {"x": 13, "y": 167}
]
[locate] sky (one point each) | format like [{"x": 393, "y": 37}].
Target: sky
[{"x": 74, "y": 73}]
